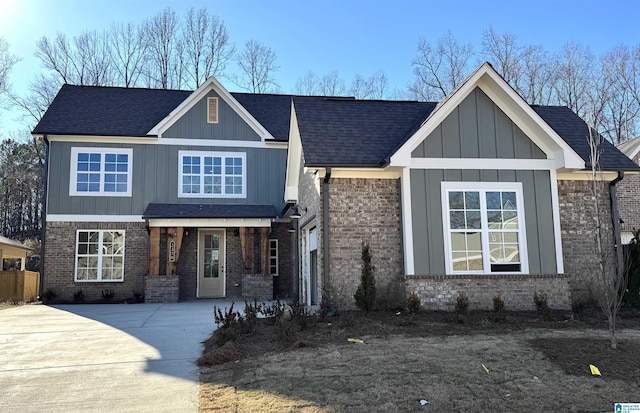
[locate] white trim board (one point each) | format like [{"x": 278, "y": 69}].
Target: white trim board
[
  {"x": 210, "y": 222},
  {"x": 93, "y": 218},
  {"x": 482, "y": 163},
  {"x": 169, "y": 141}
]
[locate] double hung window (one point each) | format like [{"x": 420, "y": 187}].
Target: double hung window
[
  {"x": 212, "y": 174},
  {"x": 100, "y": 172}
]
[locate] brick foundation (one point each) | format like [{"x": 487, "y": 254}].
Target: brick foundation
[
  {"x": 441, "y": 292},
  {"x": 162, "y": 289},
  {"x": 257, "y": 287}
]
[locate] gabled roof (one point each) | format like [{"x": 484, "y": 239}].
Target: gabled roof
[
  {"x": 107, "y": 111},
  {"x": 575, "y": 132},
  {"x": 630, "y": 147},
  {"x": 133, "y": 112},
  {"x": 155, "y": 211},
  {"x": 352, "y": 132}
]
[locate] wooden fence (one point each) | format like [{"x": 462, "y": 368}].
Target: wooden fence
[{"x": 19, "y": 286}]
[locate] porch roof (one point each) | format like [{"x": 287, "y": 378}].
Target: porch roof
[{"x": 166, "y": 211}]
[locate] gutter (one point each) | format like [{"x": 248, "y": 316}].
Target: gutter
[
  {"x": 615, "y": 218},
  {"x": 43, "y": 217},
  {"x": 325, "y": 227}
]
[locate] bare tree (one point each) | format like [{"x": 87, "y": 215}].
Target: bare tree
[
  {"x": 573, "y": 77},
  {"x": 439, "y": 68},
  {"x": 504, "y": 54},
  {"x": 206, "y": 45},
  {"x": 83, "y": 60},
  {"x": 161, "y": 34},
  {"x": 42, "y": 90},
  {"x": 536, "y": 85},
  {"x": 257, "y": 63},
  {"x": 7, "y": 62},
  {"x": 606, "y": 268},
  {"x": 332, "y": 85},
  {"x": 373, "y": 87},
  {"x": 308, "y": 85},
  {"x": 128, "y": 51}
]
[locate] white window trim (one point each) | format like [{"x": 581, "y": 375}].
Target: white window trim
[
  {"x": 73, "y": 178},
  {"x": 273, "y": 248},
  {"x": 101, "y": 231},
  {"x": 484, "y": 187},
  {"x": 209, "y": 100},
  {"x": 201, "y": 155}
]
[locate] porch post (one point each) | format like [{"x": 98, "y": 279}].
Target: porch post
[{"x": 154, "y": 251}]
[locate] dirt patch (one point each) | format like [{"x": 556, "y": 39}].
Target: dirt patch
[{"x": 432, "y": 356}]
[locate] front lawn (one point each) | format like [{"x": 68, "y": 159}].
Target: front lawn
[{"x": 520, "y": 363}]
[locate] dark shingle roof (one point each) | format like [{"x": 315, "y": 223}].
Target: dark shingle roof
[
  {"x": 576, "y": 133},
  {"x": 108, "y": 111},
  {"x": 117, "y": 111},
  {"x": 208, "y": 211},
  {"x": 355, "y": 132}
]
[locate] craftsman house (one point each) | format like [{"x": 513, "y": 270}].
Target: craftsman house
[{"x": 185, "y": 195}]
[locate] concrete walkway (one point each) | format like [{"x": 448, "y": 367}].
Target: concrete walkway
[{"x": 102, "y": 358}]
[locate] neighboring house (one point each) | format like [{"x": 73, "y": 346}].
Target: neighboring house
[
  {"x": 192, "y": 194},
  {"x": 629, "y": 192},
  {"x": 10, "y": 252}
]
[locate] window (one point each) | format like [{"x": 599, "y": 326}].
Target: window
[
  {"x": 212, "y": 110},
  {"x": 99, "y": 256},
  {"x": 212, "y": 174},
  {"x": 484, "y": 228},
  {"x": 100, "y": 172},
  {"x": 273, "y": 256}
]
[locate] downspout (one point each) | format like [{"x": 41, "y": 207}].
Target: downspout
[
  {"x": 325, "y": 227},
  {"x": 43, "y": 215},
  {"x": 615, "y": 218}
]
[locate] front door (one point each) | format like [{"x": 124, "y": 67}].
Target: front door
[{"x": 211, "y": 262}]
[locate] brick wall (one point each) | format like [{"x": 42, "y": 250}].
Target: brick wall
[
  {"x": 162, "y": 289},
  {"x": 285, "y": 258},
  {"x": 441, "y": 292},
  {"x": 187, "y": 265},
  {"x": 60, "y": 253},
  {"x": 364, "y": 209},
  {"x": 257, "y": 287},
  {"x": 577, "y": 223},
  {"x": 628, "y": 191},
  {"x": 309, "y": 197}
]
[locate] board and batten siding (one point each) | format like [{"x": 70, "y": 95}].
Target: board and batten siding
[
  {"x": 478, "y": 128},
  {"x": 194, "y": 125},
  {"x": 155, "y": 179},
  {"x": 426, "y": 208}
]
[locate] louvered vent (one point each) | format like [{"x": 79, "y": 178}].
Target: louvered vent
[{"x": 212, "y": 110}]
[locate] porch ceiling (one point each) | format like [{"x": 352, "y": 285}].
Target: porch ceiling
[{"x": 208, "y": 211}]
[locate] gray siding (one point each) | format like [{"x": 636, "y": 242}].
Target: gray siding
[
  {"x": 193, "y": 124},
  {"x": 155, "y": 179},
  {"x": 426, "y": 208},
  {"x": 478, "y": 128}
]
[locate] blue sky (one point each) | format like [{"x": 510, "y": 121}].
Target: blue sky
[{"x": 350, "y": 36}]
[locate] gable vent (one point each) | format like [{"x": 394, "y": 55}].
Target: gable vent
[{"x": 212, "y": 110}]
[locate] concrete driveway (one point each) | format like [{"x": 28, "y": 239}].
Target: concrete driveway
[{"x": 106, "y": 358}]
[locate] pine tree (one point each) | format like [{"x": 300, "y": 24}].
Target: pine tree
[{"x": 365, "y": 296}]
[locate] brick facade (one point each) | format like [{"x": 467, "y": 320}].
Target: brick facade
[
  {"x": 628, "y": 191},
  {"x": 577, "y": 223},
  {"x": 60, "y": 255},
  {"x": 309, "y": 197},
  {"x": 162, "y": 289},
  {"x": 441, "y": 292},
  {"x": 364, "y": 209}
]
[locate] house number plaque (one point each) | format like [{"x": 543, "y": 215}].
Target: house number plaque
[{"x": 172, "y": 251}]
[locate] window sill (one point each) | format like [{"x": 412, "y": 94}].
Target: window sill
[
  {"x": 495, "y": 276},
  {"x": 99, "y": 281}
]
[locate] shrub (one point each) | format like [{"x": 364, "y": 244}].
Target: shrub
[
  {"x": 413, "y": 303},
  {"x": 540, "y": 300},
  {"x": 251, "y": 312},
  {"x": 303, "y": 317},
  {"x": 108, "y": 294},
  {"x": 78, "y": 296},
  {"x": 498, "y": 305},
  {"x": 138, "y": 296},
  {"x": 272, "y": 312},
  {"x": 49, "y": 295},
  {"x": 328, "y": 305},
  {"x": 229, "y": 324},
  {"x": 462, "y": 304},
  {"x": 632, "y": 254},
  {"x": 365, "y": 296}
]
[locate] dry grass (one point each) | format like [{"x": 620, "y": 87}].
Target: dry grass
[{"x": 437, "y": 361}]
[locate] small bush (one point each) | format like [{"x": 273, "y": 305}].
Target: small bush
[
  {"x": 284, "y": 331},
  {"x": 49, "y": 295},
  {"x": 303, "y": 317},
  {"x": 229, "y": 324},
  {"x": 540, "y": 300},
  {"x": 413, "y": 303},
  {"x": 462, "y": 304},
  {"x": 365, "y": 295},
  {"x": 328, "y": 305},
  {"x": 108, "y": 294},
  {"x": 251, "y": 312},
  {"x": 498, "y": 305},
  {"x": 272, "y": 312},
  {"x": 138, "y": 296},
  {"x": 78, "y": 296}
]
